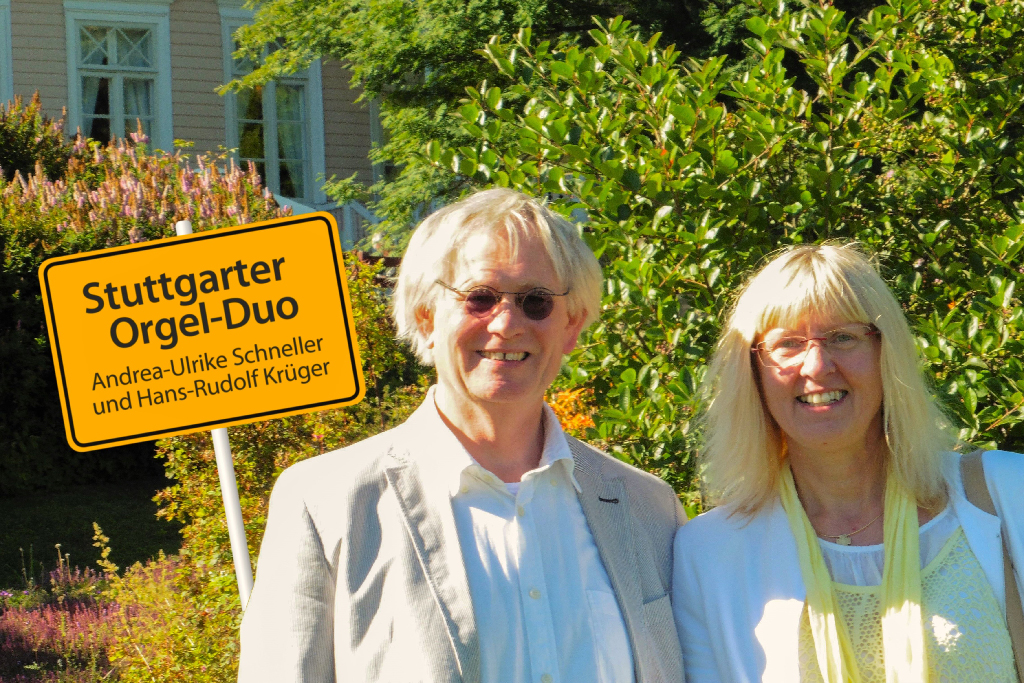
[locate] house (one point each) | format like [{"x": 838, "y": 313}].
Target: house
[{"x": 112, "y": 63}]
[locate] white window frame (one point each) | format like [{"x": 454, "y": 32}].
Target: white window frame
[
  {"x": 6, "y": 53},
  {"x": 150, "y": 14},
  {"x": 233, "y": 17}
]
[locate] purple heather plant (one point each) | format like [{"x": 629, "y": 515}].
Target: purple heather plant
[
  {"x": 129, "y": 194},
  {"x": 71, "y": 636},
  {"x": 58, "y": 632}
]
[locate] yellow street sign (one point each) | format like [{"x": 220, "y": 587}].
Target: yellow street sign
[{"x": 201, "y": 331}]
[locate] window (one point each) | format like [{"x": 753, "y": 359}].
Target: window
[
  {"x": 278, "y": 126},
  {"x": 271, "y": 124},
  {"x": 117, "y": 75},
  {"x": 119, "y": 71}
]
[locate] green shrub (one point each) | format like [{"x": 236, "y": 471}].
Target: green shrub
[
  {"x": 28, "y": 139},
  {"x": 911, "y": 144}
]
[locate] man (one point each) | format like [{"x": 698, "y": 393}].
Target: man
[{"x": 476, "y": 541}]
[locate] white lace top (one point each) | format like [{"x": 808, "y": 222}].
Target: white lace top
[
  {"x": 861, "y": 565},
  {"x": 965, "y": 633}
]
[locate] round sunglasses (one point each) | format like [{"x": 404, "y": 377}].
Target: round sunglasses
[{"x": 536, "y": 303}]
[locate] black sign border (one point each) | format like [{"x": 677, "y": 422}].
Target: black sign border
[{"x": 213, "y": 424}]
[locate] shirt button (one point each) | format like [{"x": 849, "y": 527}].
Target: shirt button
[
  {"x": 465, "y": 489},
  {"x": 521, "y": 510},
  {"x": 554, "y": 482},
  {"x": 534, "y": 593},
  {"x": 546, "y": 678}
]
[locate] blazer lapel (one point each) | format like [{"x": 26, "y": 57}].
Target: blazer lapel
[
  {"x": 605, "y": 504},
  {"x": 432, "y": 531}
]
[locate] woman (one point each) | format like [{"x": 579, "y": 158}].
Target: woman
[{"x": 843, "y": 548}]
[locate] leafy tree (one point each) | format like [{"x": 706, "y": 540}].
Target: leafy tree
[
  {"x": 417, "y": 58},
  {"x": 905, "y": 141},
  {"x": 724, "y": 22}
]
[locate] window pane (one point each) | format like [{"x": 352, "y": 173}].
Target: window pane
[
  {"x": 96, "y": 108},
  {"x": 289, "y": 141},
  {"x": 250, "y": 140},
  {"x": 289, "y": 102},
  {"x": 95, "y": 95},
  {"x": 93, "y": 41},
  {"x": 291, "y": 179},
  {"x": 147, "y": 126},
  {"x": 138, "y": 102},
  {"x": 241, "y": 67},
  {"x": 249, "y": 104},
  {"x": 96, "y": 128},
  {"x": 134, "y": 47}
]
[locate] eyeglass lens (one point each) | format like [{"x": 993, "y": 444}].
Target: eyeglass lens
[
  {"x": 536, "y": 304},
  {"x": 788, "y": 350}
]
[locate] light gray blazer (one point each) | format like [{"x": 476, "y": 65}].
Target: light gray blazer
[{"x": 361, "y": 576}]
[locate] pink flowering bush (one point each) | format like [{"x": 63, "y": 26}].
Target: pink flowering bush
[{"x": 45, "y": 642}]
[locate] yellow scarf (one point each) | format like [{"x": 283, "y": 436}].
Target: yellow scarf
[{"x": 902, "y": 629}]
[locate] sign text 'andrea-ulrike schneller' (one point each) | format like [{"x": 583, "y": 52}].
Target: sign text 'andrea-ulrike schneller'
[{"x": 207, "y": 330}]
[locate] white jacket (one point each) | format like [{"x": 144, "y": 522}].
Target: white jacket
[{"x": 738, "y": 594}]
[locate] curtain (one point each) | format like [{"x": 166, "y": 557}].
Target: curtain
[
  {"x": 96, "y": 101},
  {"x": 138, "y": 104}
]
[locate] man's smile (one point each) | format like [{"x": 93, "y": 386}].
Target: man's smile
[{"x": 504, "y": 355}]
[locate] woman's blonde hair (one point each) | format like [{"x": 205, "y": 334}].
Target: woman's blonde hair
[
  {"x": 510, "y": 217},
  {"x": 743, "y": 442}
]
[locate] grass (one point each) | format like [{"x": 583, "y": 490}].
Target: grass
[{"x": 36, "y": 523}]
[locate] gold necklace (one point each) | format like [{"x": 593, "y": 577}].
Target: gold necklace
[{"x": 844, "y": 539}]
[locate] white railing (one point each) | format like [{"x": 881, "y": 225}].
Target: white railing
[
  {"x": 352, "y": 218},
  {"x": 297, "y": 208}
]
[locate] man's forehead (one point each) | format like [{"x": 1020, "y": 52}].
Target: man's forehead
[{"x": 485, "y": 256}]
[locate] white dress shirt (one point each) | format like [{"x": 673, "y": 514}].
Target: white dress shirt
[{"x": 545, "y": 609}]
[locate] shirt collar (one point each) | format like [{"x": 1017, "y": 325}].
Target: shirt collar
[{"x": 448, "y": 459}]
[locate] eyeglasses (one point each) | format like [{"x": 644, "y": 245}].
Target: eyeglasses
[
  {"x": 781, "y": 350},
  {"x": 536, "y": 303}
]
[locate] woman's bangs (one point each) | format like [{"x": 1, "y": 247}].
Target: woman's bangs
[{"x": 822, "y": 294}]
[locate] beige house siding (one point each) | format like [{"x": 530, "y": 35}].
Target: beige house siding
[
  {"x": 346, "y": 126},
  {"x": 197, "y": 67},
  {"x": 38, "y": 46}
]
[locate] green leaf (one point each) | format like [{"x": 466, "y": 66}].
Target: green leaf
[
  {"x": 661, "y": 214},
  {"x": 562, "y": 69},
  {"x": 494, "y": 98},
  {"x": 434, "y": 151},
  {"x": 470, "y": 112},
  {"x": 631, "y": 179},
  {"x": 757, "y": 26}
]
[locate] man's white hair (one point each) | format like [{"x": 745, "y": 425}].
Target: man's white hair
[{"x": 506, "y": 215}]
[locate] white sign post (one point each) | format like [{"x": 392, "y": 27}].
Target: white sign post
[{"x": 229, "y": 491}]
